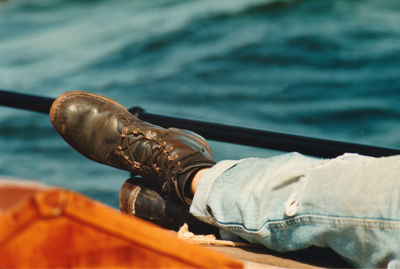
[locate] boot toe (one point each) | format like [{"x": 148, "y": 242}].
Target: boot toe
[{"x": 87, "y": 122}]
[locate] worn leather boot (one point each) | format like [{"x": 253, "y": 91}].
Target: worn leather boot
[{"x": 104, "y": 131}]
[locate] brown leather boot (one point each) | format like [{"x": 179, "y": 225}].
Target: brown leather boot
[{"x": 104, "y": 131}]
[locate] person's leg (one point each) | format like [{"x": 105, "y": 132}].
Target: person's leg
[
  {"x": 350, "y": 204},
  {"x": 289, "y": 202}
]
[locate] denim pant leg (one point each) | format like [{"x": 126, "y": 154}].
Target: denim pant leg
[{"x": 350, "y": 204}]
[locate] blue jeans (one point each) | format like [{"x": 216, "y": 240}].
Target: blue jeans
[{"x": 350, "y": 204}]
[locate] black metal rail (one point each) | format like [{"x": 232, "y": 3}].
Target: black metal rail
[{"x": 220, "y": 132}]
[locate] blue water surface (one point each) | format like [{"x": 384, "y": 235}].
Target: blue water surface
[{"x": 328, "y": 69}]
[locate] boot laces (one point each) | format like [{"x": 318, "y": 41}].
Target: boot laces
[{"x": 152, "y": 163}]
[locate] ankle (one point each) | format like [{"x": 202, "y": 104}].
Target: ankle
[
  {"x": 187, "y": 181},
  {"x": 196, "y": 179}
]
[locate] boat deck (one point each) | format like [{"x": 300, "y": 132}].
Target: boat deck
[{"x": 264, "y": 258}]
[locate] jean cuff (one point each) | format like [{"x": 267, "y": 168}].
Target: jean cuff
[{"x": 206, "y": 181}]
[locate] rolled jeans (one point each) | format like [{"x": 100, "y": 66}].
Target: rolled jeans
[{"x": 350, "y": 204}]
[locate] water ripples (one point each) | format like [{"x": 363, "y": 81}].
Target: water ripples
[{"x": 318, "y": 68}]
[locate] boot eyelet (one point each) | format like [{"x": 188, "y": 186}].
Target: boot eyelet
[{"x": 136, "y": 165}]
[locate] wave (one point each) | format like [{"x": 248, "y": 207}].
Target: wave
[{"x": 315, "y": 68}]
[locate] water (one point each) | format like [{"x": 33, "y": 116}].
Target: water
[{"x": 326, "y": 69}]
